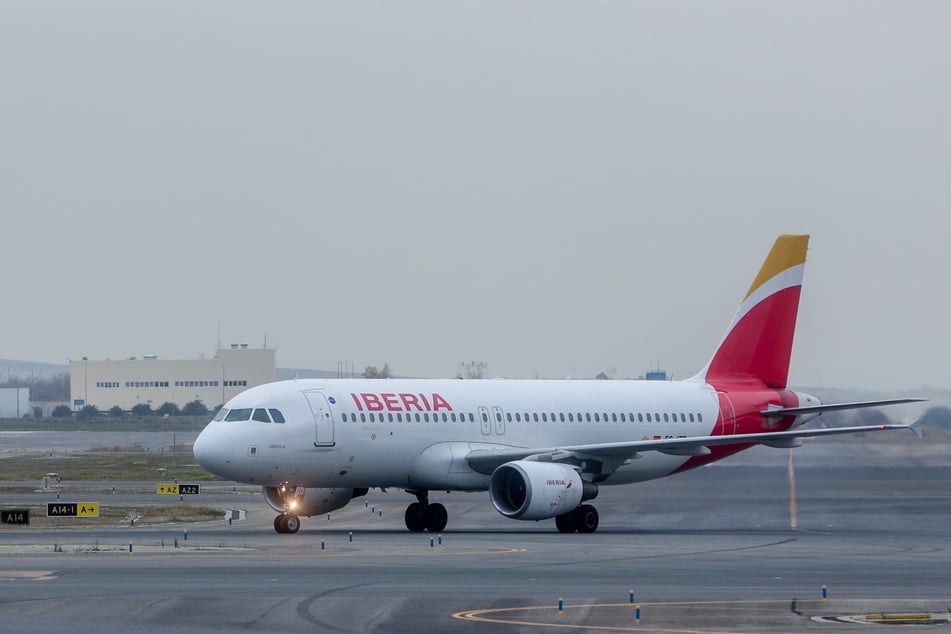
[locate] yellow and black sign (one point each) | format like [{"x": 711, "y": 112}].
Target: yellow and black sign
[
  {"x": 72, "y": 509},
  {"x": 15, "y": 516},
  {"x": 177, "y": 489}
]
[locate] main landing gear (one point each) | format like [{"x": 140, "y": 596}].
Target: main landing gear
[
  {"x": 422, "y": 515},
  {"x": 286, "y": 523},
  {"x": 583, "y": 519}
]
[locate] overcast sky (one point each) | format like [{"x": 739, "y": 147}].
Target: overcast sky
[{"x": 554, "y": 188}]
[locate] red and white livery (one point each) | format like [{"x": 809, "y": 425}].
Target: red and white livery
[{"x": 542, "y": 448}]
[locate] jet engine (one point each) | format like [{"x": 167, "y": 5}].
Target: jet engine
[
  {"x": 526, "y": 490},
  {"x": 302, "y": 501}
]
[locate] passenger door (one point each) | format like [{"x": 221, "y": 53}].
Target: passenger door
[{"x": 323, "y": 419}]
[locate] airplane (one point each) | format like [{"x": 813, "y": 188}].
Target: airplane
[{"x": 541, "y": 448}]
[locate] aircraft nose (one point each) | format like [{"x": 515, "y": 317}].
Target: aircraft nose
[{"x": 213, "y": 450}]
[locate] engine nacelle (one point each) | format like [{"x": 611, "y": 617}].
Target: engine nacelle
[
  {"x": 526, "y": 490},
  {"x": 308, "y": 501}
]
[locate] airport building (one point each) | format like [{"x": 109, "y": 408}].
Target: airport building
[
  {"x": 15, "y": 402},
  {"x": 153, "y": 381}
]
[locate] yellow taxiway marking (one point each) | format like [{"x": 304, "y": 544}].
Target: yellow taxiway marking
[
  {"x": 547, "y": 616},
  {"x": 35, "y": 575}
]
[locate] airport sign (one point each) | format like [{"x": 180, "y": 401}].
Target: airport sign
[
  {"x": 177, "y": 489},
  {"x": 72, "y": 509},
  {"x": 15, "y": 516}
]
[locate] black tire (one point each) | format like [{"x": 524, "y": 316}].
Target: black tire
[
  {"x": 415, "y": 517},
  {"x": 291, "y": 523},
  {"x": 566, "y": 523},
  {"x": 436, "y": 517},
  {"x": 586, "y": 518},
  {"x": 279, "y": 525}
]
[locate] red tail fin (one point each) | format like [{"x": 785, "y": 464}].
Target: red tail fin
[{"x": 758, "y": 343}]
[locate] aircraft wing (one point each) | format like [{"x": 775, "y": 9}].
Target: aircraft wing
[{"x": 615, "y": 453}]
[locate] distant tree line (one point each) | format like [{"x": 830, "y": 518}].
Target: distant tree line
[
  {"x": 51, "y": 388},
  {"x": 371, "y": 372},
  {"x": 192, "y": 408}
]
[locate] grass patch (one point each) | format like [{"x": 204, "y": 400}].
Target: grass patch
[
  {"x": 109, "y": 466},
  {"x": 125, "y": 423}
]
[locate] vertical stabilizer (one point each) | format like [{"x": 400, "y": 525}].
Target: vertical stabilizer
[{"x": 758, "y": 344}]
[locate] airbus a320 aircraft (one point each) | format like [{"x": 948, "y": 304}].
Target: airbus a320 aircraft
[{"x": 541, "y": 448}]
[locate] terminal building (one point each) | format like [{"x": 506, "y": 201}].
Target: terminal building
[{"x": 153, "y": 381}]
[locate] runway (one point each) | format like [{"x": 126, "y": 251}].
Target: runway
[{"x": 707, "y": 551}]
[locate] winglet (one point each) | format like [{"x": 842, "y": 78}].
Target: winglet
[
  {"x": 916, "y": 427},
  {"x": 758, "y": 343}
]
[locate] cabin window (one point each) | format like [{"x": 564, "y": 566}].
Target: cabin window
[
  {"x": 561, "y": 417},
  {"x": 614, "y": 417},
  {"x": 236, "y": 415},
  {"x": 508, "y": 416},
  {"x": 649, "y": 418},
  {"x": 518, "y": 417},
  {"x": 700, "y": 417},
  {"x": 445, "y": 417},
  {"x": 544, "y": 417},
  {"x": 363, "y": 418},
  {"x": 683, "y": 417},
  {"x": 587, "y": 416}
]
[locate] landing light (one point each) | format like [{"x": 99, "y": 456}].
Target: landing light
[{"x": 292, "y": 505}]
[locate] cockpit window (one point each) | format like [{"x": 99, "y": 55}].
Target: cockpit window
[
  {"x": 277, "y": 415},
  {"x": 238, "y": 415},
  {"x": 221, "y": 414},
  {"x": 261, "y": 416}
]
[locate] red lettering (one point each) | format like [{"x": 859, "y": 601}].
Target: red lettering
[
  {"x": 372, "y": 402},
  {"x": 440, "y": 402},
  {"x": 410, "y": 401},
  {"x": 391, "y": 402}
]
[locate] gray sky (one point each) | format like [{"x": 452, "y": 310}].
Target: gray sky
[{"x": 556, "y": 188}]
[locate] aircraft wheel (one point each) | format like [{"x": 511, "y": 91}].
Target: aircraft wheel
[
  {"x": 291, "y": 523},
  {"x": 566, "y": 523},
  {"x": 586, "y": 518},
  {"x": 415, "y": 517},
  {"x": 436, "y": 517},
  {"x": 279, "y": 525}
]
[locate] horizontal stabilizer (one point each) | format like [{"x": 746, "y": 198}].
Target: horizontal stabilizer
[{"x": 833, "y": 407}]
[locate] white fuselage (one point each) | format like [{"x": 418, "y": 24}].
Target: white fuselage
[{"x": 416, "y": 433}]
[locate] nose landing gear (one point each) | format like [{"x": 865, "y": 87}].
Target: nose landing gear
[
  {"x": 286, "y": 523},
  {"x": 422, "y": 515}
]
